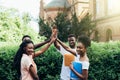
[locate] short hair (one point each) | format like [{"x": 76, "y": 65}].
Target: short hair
[
  {"x": 71, "y": 35},
  {"x": 25, "y": 36},
  {"x": 85, "y": 40}
]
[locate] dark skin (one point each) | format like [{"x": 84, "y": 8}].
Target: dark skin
[
  {"x": 71, "y": 43},
  {"x": 82, "y": 76},
  {"x": 32, "y": 72},
  {"x": 41, "y": 44},
  {"x": 30, "y": 51},
  {"x": 81, "y": 50},
  {"x": 37, "y": 45}
]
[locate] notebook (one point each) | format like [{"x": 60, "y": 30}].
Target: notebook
[
  {"x": 68, "y": 58},
  {"x": 78, "y": 67}
]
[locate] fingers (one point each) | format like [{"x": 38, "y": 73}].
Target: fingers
[
  {"x": 54, "y": 34},
  {"x": 54, "y": 31}
]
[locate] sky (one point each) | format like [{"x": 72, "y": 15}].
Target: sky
[{"x": 30, "y": 6}]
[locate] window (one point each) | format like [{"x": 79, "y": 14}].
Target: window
[{"x": 108, "y": 35}]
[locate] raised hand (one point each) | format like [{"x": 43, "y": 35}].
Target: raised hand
[
  {"x": 54, "y": 31},
  {"x": 53, "y": 39}
]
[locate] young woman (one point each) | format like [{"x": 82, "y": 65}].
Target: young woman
[
  {"x": 24, "y": 62},
  {"x": 83, "y": 43}
]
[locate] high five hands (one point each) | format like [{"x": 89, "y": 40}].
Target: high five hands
[{"x": 54, "y": 32}]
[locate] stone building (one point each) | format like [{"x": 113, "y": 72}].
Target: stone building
[
  {"x": 107, "y": 15},
  {"x": 105, "y": 12},
  {"x": 52, "y": 8}
]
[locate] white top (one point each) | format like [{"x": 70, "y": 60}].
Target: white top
[
  {"x": 26, "y": 61},
  {"x": 85, "y": 65},
  {"x": 65, "y": 70}
]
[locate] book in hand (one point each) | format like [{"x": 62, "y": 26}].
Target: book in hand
[
  {"x": 68, "y": 58},
  {"x": 78, "y": 67}
]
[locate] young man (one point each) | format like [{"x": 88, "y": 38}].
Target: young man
[
  {"x": 83, "y": 43},
  {"x": 65, "y": 70},
  {"x": 27, "y": 37}
]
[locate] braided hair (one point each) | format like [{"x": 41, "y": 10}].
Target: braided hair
[{"x": 18, "y": 56}]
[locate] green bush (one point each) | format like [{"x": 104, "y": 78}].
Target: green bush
[
  {"x": 49, "y": 63},
  {"x": 7, "y": 52},
  {"x": 13, "y": 26},
  {"x": 104, "y": 62}
]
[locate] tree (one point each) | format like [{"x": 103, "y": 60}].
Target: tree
[
  {"x": 13, "y": 27},
  {"x": 63, "y": 24},
  {"x": 68, "y": 26},
  {"x": 84, "y": 26},
  {"x": 44, "y": 28},
  {"x": 26, "y": 17}
]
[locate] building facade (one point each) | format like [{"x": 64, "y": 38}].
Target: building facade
[
  {"x": 107, "y": 15},
  {"x": 51, "y": 9},
  {"x": 105, "y": 12}
]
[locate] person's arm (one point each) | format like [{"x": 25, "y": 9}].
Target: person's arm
[
  {"x": 66, "y": 47},
  {"x": 41, "y": 44},
  {"x": 33, "y": 74},
  {"x": 57, "y": 45},
  {"x": 42, "y": 50},
  {"x": 83, "y": 76}
]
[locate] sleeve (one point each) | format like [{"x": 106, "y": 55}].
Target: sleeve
[
  {"x": 62, "y": 50},
  {"x": 85, "y": 65},
  {"x": 27, "y": 62}
]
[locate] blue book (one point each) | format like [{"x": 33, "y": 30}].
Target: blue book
[{"x": 78, "y": 67}]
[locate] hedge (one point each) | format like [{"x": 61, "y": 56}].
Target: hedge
[{"x": 104, "y": 62}]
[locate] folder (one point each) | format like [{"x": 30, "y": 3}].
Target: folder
[
  {"x": 68, "y": 58},
  {"x": 78, "y": 67}
]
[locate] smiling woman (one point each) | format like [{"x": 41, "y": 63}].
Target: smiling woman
[{"x": 23, "y": 60}]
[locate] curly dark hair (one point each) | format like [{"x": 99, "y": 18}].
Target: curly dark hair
[
  {"x": 85, "y": 40},
  {"x": 18, "y": 56},
  {"x": 25, "y": 36},
  {"x": 71, "y": 35}
]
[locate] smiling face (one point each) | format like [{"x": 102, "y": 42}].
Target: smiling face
[
  {"x": 72, "y": 42},
  {"x": 81, "y": 50},
  {"x": 29, "y": 49}
]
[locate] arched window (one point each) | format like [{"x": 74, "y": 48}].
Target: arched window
[
  {"x": 96, "y": 38},
  {"x": 108, "y": 35}
]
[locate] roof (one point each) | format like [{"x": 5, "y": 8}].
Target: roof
[{"x": 57, "y": 4}]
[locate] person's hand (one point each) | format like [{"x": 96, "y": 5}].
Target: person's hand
[
  {"x": 53, "y": 39},
  {"x": 71, "y": 66},
  {"x": 54, "y": 31}
]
